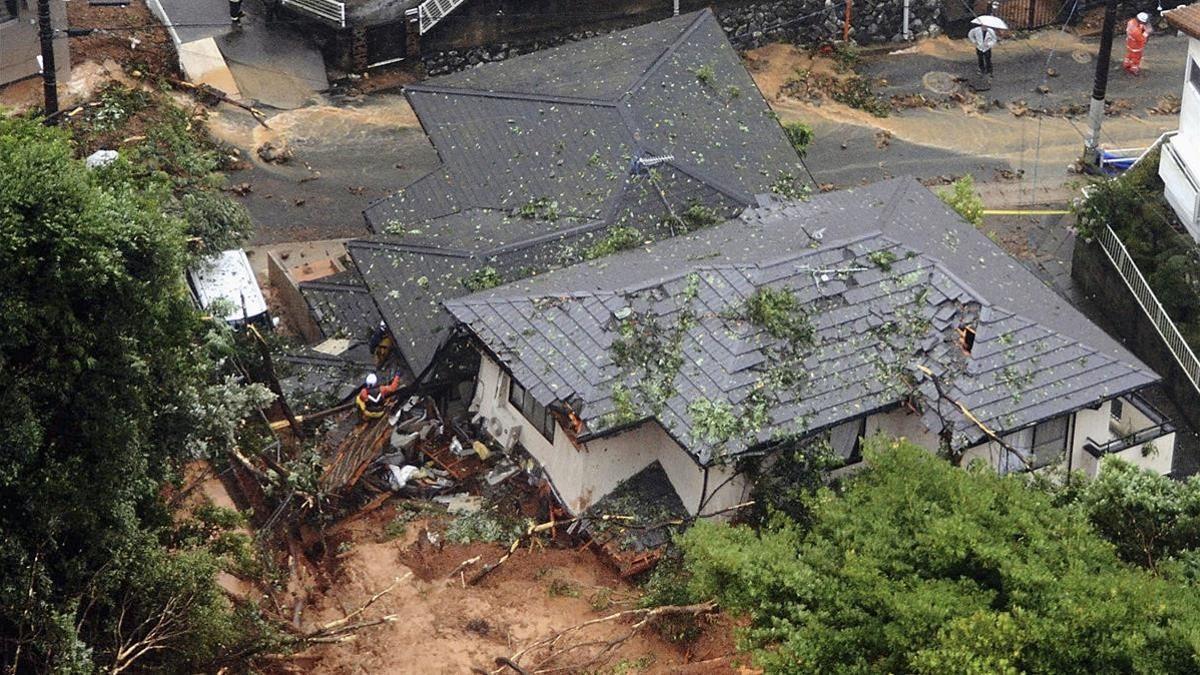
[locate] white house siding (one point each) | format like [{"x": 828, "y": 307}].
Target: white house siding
[
  {"x": 1181, "y": 190},
  {"x": 1099, "y": 426},
  {"x": 901, "y": 423},
  {"x": 582, "y": 475}
]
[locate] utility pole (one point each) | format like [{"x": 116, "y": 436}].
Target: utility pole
[
  {"x": 49, "y": 75},
  {"x": 1091, "y": 147}
]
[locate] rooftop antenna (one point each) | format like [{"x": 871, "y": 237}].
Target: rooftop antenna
[{"x": 640, "y": 164}]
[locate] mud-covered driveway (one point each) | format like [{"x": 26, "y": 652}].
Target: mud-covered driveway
[{"x": 344, "y": 154}]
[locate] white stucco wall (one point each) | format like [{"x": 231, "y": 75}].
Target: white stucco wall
[
  {"x": 903, "y": 424},
  {"x": 1189, "y": 106},
  {"x": 1181, "y": 178},
  {"x": 582, "y": 475}
]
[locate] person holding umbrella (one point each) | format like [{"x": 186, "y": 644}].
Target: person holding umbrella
[
  {"x": 984, "y": 37},
  {"x": 1137, "y": 31}
]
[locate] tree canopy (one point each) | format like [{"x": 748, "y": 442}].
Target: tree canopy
[
  {"x": 106, "y": 388},
  {"x": 920, "y": 566}
]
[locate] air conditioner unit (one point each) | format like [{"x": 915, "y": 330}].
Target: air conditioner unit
[{"x": 509, "y": 437}]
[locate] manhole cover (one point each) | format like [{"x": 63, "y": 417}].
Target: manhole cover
[
  {"x": 1081, "y": 57},
  {"x": 939, "y": 82}
]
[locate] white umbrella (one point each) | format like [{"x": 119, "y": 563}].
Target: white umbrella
[{"x": 990, "y": 21}]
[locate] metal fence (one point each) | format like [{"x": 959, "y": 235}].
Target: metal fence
[
  {"x": 1029, "y": 14},
  {"x": 1123, "y": 262}
]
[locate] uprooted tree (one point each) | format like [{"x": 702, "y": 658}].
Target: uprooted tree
[{"x": 107, "y": 388}]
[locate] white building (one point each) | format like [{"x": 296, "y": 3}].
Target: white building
[
  {"x": 1179, "y": 165},
  {"x": 906, "y": 321}
]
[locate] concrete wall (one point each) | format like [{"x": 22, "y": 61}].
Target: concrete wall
[
  {"x": 20, "y": 46},
  {"x": 581, "y": 475},
  {"x": 1179, "y": 163},
  {"x": 492, "y": 30},
  {"x": 1091, "y": 269},
  {"x": 289, "y": 299}
]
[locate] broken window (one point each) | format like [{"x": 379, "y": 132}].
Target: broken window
[
  {"x": 535, "y": 413},
  {"x": 1194, "y": 75},
  {"x": 966, "y": 339}
]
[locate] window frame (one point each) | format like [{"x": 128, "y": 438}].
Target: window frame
[
  {"x": 1060, "y": 452},
  {"x": 536, "y": 414},
  {"x": 10, "y": 10},
  {"x": 1193, "y": 75},
  {"x": 1116, "y": 409}
]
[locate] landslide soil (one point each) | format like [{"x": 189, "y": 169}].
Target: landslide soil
[{"x": 443, "y": 627}]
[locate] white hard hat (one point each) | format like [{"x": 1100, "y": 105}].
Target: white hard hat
[
  {"x": 1143, "y": 17},
  {"x": 372, "y": 380}
]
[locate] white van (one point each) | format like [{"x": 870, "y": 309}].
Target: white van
[{"x": 228, "y": 276}]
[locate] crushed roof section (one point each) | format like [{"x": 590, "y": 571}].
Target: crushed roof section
[
  {"x": 647, "y": 498},
  {"x": 871, "y": 325},
  {"x": 541, "y": 157}
]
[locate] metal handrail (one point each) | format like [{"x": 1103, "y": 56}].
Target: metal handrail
[
  {"x": 1116, "y": 252},
  {"x": 1098, "y": 449}
]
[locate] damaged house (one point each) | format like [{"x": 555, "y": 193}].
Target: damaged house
[
  {"x": 876, "y": 309},
  {"x": 564, "y": 155}
]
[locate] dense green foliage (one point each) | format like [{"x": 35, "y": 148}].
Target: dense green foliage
[
  {"x": 108, "y": 387},
  {"x": 961, "y": 197},
  {"x": 175, "y": 160},
  {"x": 1134, "y": 206},
  {"x": 1148, "y": 517},
  {"x": 921, "y": 567}
]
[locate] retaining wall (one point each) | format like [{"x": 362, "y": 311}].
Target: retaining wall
[
  {"x": 493, "y": 30},
  {"x": 1091, "y": 268}
]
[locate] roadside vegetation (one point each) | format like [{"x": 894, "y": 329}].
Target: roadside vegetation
[
  {"x": 112, "y": 382},
  {"x": 1134, "y": 206}
]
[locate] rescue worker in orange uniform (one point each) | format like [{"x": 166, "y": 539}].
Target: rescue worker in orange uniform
[
  {"x": 371, "y": 397},
  {"x": 1137, "y": 31}
]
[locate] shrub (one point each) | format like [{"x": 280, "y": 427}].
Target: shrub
[
  {"x": 961, "y": 197},
  {"x": 1134, "y": 206},
  {"x": 799, "y": 135},
  {"x": 699, "y": 216}
]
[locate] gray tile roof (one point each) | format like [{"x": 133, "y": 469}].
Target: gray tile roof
[
  {"x": 885, "y": 276},
  {"x": 555, "y": 135},
  {"x": 341, "y": 306},
  {"x": 566, "y": 123}
]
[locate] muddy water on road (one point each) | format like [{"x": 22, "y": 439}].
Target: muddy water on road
[{"x": 344, "y": 157}]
